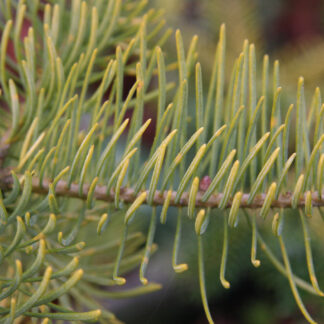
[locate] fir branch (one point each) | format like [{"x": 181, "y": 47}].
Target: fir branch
[
  {"x": 63, "y": 138},
  {"x": 129, "y": 195}
]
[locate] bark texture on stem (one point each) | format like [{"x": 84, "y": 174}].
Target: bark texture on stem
[{"x": 128, "y": 195}]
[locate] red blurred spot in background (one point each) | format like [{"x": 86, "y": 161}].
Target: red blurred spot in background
[
  {"x": 24, "y": 31},
  {"x": 299, "y": 20},
  {"x": 205, "y": 183}
]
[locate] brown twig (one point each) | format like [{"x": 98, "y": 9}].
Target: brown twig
[{"x": 128, "y": 195}]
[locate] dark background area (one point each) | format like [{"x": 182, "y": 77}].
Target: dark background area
[{"x": 289, "y": 30}]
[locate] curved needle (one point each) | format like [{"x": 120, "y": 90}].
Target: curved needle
[
  {"x": 224, "y": 282},
  {"x": 309, "y": 256},
  {"x": 202, "y": 280},
  {"x": 292, "y": 282},
  {"x": 254, "y": 260},
  {"x": 116, "y": 278},
  {"x": 183, "y": 266},
  {"x": 148, "y": 247}
]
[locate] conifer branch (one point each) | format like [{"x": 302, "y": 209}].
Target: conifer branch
[
  {"x": 65, "y": 131},
  {"x": 128, "y": 195}
]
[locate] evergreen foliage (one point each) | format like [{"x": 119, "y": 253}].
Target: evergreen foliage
[{"x": 74, "y": 173}]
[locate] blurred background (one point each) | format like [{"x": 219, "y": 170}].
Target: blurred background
[
  {"x": 293, "y": 32},
  {"x": 289, "y": 30}
]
